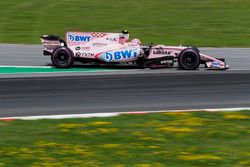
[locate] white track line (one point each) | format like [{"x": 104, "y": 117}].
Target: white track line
[
  {"x": 66, "y": 116},
  {"x": 26, "y": 66}
]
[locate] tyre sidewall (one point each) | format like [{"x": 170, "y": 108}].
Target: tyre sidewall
[
  {"x": 181, "y": 59},
  {"x": 66, "y": 51}
]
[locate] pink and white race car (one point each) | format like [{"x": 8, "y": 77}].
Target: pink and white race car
[{"x": 115, "y": 48}]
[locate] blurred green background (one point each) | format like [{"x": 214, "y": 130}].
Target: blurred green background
[{"x": 199, "y": 22}]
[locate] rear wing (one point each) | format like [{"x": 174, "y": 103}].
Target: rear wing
[{"x": 50, "y": 43}]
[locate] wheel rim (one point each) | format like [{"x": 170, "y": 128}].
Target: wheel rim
[
  {"x": 190, "y": 60},
  {"x": 62, "y": 58}
]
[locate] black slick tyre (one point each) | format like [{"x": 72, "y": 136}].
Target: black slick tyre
[
  {"x": 189, "y": 59},
  {"x": 62, "y": 57}
]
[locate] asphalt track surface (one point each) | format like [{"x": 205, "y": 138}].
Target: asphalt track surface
[
  {"x": 31, "y": 55},
  {"x": 132, "y": 90}
]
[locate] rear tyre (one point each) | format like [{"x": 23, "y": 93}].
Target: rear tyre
[
  {"x": 62, "y": 57},
  {"x": 189, "y": 59}
]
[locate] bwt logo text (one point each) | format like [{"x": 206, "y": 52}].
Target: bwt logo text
[
  {"x": 78, "y": 38},
  {"x": 125, "y": 54}
]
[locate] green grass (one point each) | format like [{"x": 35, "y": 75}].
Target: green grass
[
  {"x": 164, "y": 139},
  {"x": 202, "y": 23}
]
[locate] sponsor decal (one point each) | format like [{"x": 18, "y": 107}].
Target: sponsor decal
[
  {"x": 111, "y": 39},
  {"x": 82, "y": 48},
  {"x": 99, "y": 44},
  {"x": 85, "y": 48},
  {"x": 88, "y": 54},
  {"x": 51, "y": 43},
  {"x": 78, "y": 54},
  {"x": 119, "y": 55},
  {"x": 84, "y": 54},
  {"x": 166, "y": 61},
  {"x": 78, "y": 48},
  {"x": 78, "y": 38},
  {"x": 215, "y": 64},
  {"x": 98, "y": 34},
  {"x": 162, "y": 51}
]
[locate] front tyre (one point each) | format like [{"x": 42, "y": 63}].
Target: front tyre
[
  {"x": 193, "y": 47},
  {"x": 189, "y": 59},
  {"x": 62, "y": 57}
]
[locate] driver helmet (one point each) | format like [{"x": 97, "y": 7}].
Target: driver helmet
[
  {"x": 124, "y": 31},
  {"x": 125, "y": 34}
]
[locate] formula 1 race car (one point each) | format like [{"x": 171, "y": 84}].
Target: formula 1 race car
[{"x": 114, "y": 48}]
